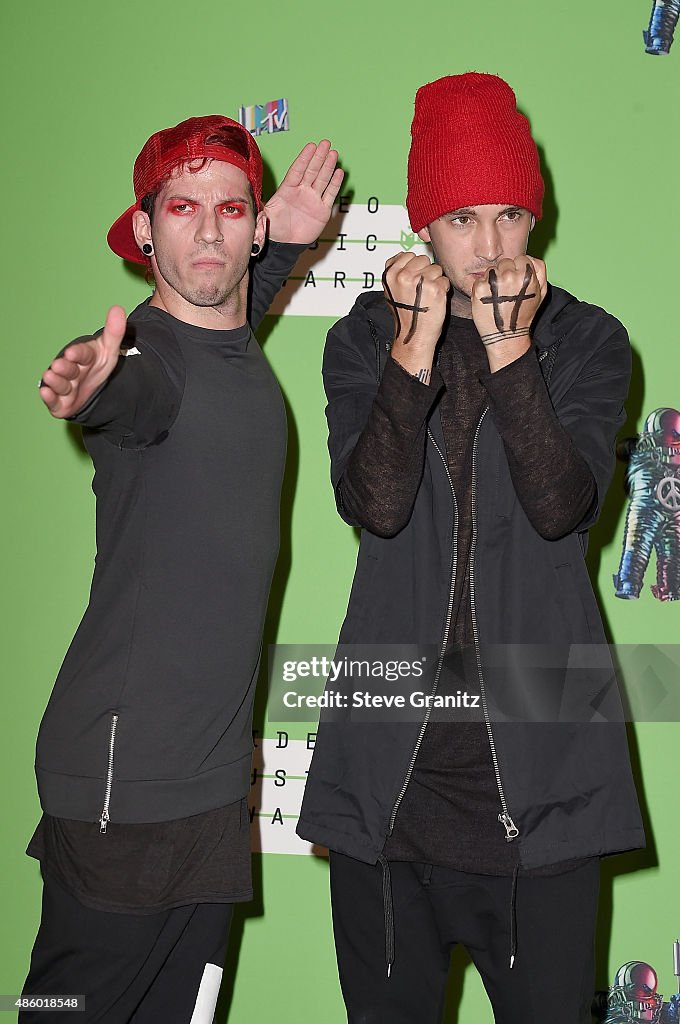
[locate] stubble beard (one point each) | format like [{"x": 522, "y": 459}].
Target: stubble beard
[
  {"x": 456, "y": 289},
  {"x": 215, "y": 294}
]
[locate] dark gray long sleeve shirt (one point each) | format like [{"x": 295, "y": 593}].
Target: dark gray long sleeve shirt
[
  {"x": 187, "y": 438},
  {"x": 150, "y": 717}
]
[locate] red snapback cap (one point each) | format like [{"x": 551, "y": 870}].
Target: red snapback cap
[{"x": 215, "y": 137}]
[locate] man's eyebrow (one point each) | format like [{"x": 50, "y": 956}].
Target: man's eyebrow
[
  {"x": 471, "y": 211},
  {"x": 173, "y": 196}
]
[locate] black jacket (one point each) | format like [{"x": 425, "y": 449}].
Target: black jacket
[{"x": 553, "y": 712}]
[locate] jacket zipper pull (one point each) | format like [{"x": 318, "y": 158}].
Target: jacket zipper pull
[
  {"x": 511, "y": 830},
  {"x": 103, "y": 822}
]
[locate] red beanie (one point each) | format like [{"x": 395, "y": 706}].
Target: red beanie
[{"x": 470, "y": 147}]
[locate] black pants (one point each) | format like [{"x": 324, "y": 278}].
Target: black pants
[
  {"x": 151, "y": 969},
  {"x": 434, "y": 909}
]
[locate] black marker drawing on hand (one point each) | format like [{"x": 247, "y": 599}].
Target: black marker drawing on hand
[
  {"x": 416, "y": 308},
  {"x": 518, "y": 299},
  {"x": 493, "y": 339}
]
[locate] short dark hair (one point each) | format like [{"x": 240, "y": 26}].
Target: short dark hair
[{"x": 147, "y": 203}]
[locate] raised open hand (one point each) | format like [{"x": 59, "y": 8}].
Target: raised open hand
[{"x": 302, "y": 204}]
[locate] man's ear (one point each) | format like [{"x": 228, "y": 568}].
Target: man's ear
[
  {"x": 141, "y": 226},
  {"x": 424, "y": 235},
  {"x": 533, "y": 223},
  {"x": 260, "y": 228}
]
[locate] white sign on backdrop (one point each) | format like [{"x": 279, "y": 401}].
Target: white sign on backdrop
[
  {"x": 277, "y": 783},
  {"x": 347, "y": 260}
]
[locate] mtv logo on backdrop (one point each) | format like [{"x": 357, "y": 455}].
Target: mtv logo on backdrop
[{"x": 265, "y": 118}]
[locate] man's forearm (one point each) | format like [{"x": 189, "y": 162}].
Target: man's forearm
[
  {"x": 552, "y": 479},
  {"x": 268, "y": 276},
  {"x": 379, "y": 484}
]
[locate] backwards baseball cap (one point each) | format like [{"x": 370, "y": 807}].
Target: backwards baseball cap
[
  {"x": 470, "y": 147},
  {"x": 214, "y": 137}
]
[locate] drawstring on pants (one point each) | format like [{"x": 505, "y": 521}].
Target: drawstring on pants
[
  {"x": 513, "y": 917},
  {"x": 388, "y": 910}
]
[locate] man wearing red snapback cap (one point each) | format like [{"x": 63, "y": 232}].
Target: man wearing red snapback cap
[
  {"x": 144, "y": 752},
  {"x": 472, "y": 412}
]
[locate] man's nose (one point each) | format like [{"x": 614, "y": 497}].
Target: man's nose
[
  {"x": 208, "y": 227},
  {"x": 489, "y": 245}
]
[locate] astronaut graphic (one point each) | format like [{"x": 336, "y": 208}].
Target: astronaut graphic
[
  {"x": 659, "y": 36},
  {"x": 633, "y": 998},
  {"x": 653, "y": 518}
]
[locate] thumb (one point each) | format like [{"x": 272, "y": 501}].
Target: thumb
[
  {"x": 114, "y": 328},
  {"x": 540, "y": 273}
]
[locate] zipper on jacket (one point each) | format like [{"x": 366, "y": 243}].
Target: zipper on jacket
[
  {"x": 511, "y": 830},
  {"x": 103, "y": 821},
  {"x": 445, "y": 639}
]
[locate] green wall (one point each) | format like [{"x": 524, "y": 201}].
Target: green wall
[{"x": 84, "y": 85}]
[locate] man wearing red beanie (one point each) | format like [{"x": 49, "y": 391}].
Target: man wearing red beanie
[
  {"x": 144, "y": 753},
  {"x": 472, "y": 411}
]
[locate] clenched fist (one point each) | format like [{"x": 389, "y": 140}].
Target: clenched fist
[
  {"x": 504, "y": 304},
  {"x": 416, "y": 289}
]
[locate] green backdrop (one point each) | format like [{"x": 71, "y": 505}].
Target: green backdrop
[{"x": 84, "y": 85}]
